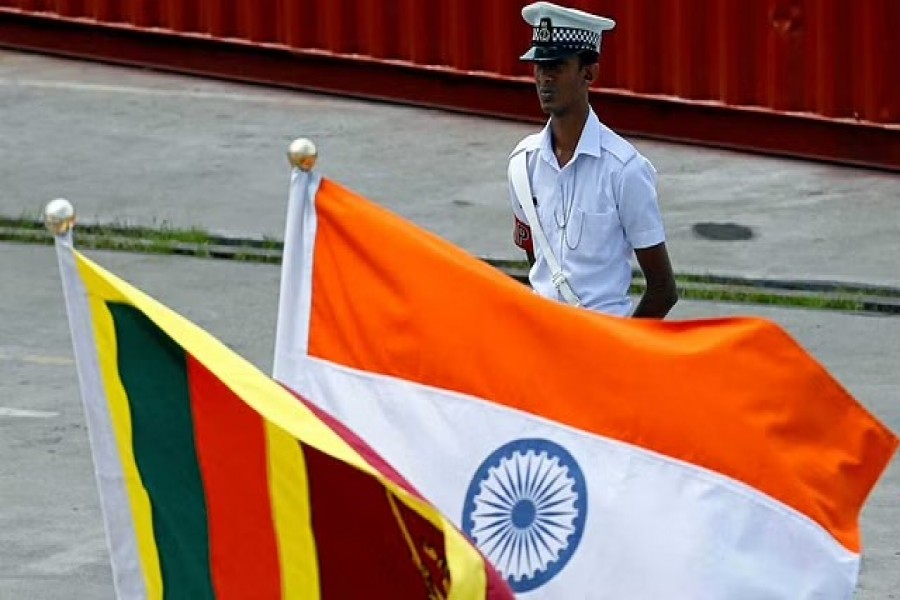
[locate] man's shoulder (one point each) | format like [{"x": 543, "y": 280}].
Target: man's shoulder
[
  {"x": 529, "y": 143},
  {"x": 617, "y": 146}
]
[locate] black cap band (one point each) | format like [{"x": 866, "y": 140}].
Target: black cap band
[{"x": 552, "y": 43}]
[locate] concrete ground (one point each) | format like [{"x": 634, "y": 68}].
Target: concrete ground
[
  {"x": 133, "y": 146},
  {"x": 51, "y": 533},
  {"x": 139, "y": 147}
]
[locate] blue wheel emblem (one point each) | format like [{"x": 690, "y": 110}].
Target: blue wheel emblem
[{"x": 525, "y": 510}]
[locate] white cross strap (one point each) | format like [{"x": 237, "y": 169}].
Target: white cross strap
[{"x": 522, "y": 189}]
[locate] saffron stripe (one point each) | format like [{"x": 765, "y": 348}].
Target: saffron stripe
[
  {"x": 153, "y": 371},
  {"x": 735, "y": 379},
  {"x": 288, "y": 487},
  {"x": 120, "y": 413},
  {"x": 231, "y": 448}
]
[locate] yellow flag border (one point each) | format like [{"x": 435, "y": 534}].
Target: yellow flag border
[{"x": 281, "y": 408}]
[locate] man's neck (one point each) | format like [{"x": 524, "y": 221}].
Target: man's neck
[{"x": 566, "y": 129}]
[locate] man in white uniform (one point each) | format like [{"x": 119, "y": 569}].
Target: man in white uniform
[{"x": 594, "y": 194}]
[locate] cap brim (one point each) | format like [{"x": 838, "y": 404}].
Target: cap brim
[{"x": 547, "y": 53}]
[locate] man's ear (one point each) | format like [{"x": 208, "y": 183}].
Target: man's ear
[{"x": 591, "y": 72}]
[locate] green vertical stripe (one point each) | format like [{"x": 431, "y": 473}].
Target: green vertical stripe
[{"x": 153, "y": 370}]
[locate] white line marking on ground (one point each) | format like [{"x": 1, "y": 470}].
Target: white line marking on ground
[
  {"x": 143, "y": 91},
  {"x": 26, "y": 414},
  {"x": 37, "y": 359},
  {"x": 47, "y": 360},
  {"x": 81, "y": 554}
]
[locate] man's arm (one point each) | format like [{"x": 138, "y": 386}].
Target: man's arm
[
  {"x": 529, "y": 256},
  {"x": 661, "y": 293}
]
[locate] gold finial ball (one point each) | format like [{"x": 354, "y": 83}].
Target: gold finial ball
[
  {"x": 303, "y": 154},
  {"x": 59, "y": 216}
]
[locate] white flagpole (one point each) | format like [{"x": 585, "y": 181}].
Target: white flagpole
[
  {"x": 295, "y": 295},
  {"x": 59, "y": 218}
]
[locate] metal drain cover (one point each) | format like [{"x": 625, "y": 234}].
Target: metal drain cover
[{"x": 722, "y": 232}]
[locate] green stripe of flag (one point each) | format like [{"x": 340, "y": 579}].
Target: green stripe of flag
[{"x": 153, "y": 370}]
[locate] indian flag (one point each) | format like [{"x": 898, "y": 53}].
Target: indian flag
[
  {"x": 217, "y": 482},
  {"x": 587, "y": 456}
]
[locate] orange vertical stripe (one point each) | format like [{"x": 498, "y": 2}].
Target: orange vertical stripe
[
  {"x": 736, "y": 396},
  {"x": 231, "y": 448},
  {"x": 227, "y": 449}
]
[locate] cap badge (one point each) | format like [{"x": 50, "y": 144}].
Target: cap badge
[{"x": 545, "y": 31}]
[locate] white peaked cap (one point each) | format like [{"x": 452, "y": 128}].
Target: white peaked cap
[{"x": 560, "y": 31}]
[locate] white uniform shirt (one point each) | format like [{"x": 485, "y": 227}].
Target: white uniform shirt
[{"x": 594, "y": 212}]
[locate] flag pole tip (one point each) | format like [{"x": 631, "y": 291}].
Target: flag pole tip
[
  {"x": 302, "y": 154},
  {"x": 59, "y": 216}
]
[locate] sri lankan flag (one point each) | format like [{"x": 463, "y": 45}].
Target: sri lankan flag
[{"x": 217, "y": 482}]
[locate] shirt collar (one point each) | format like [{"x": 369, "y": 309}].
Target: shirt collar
[{"x": 588, "y": 143}]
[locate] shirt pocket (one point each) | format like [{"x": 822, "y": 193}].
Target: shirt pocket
[{"x": 600, "y": 236}]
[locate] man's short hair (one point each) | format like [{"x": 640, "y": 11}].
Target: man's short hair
[{"x": 587, "y": 58}]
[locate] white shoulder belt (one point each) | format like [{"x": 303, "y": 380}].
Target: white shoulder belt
[{"x": 522, "y": 188}]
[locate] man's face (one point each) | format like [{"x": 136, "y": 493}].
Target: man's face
[{"x": 561, "y": 84}]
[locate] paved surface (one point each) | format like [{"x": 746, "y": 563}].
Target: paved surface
[
  {"x": 51, "y": 533},
  {"x": 145, "y": 148},
  {"x": 141, "y": 147}
]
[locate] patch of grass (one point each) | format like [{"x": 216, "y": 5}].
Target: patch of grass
[
  {"x": 838, "y": 288},
  {"x": 761, "y": 297},
  {"x": 20, "y": 223},
  {"x": 270, "y": 243},
  {"x": 26, "y": 236},
  {"x": 164, "y": 232},
  {"x": 196, "y": 242}
]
